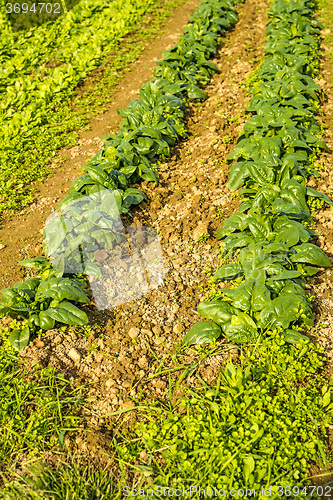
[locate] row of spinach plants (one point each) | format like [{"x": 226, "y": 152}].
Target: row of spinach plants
[
  {"x": 269, "y": 238},
  {"x": 152, "y": 125},
  {"x": 41, "y": 68},
  {"x": 43, "y": 64}
]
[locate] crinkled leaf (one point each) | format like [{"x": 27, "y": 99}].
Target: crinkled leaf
[
  {"x": 283, "y": 310},
  {"x": 310, "y": 254},
  {"x": 67, "y": 313},
  {"x": 39, "y": 263},
  {"x": 228, "y": 272},
  {"x": 61, "y": 288},
  {"x": 220, "y": 312}
]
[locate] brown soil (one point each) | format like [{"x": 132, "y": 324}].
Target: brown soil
[
  {"x": 321, "y": 286},
  {"x": 134, "y": 350}
]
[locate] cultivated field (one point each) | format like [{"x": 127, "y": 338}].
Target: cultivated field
[{"x": 166, "y": 250}]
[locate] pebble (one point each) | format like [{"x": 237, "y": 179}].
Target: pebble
[
  {"x": 74, "y": 355},
  {"x": 147, "y": 332},
  {"x": 178, "y": 328},
  {"x": 143, "y": 362},
  {"x": 110, "y": 382}
]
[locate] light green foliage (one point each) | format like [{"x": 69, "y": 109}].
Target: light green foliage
[
  {"x": 31, "y": 86},
  {"x": 203, "y": 238},
  {"x": 257, "y": 426},
  {"x": 35, "y": 414},
  {"x": 27, "y": 157}
]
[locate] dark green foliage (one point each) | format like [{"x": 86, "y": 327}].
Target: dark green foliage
[
  {"x": 42, "y": 301},
  {"x": 273, "y": 159}
]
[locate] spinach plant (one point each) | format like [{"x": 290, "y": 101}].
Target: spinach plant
[{"x": 43, "y": 301}]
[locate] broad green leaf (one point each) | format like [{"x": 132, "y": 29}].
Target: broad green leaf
[
  {"x": 61, "y": 288},
  {"x": 194, "y": 92},
  {"x": 284, "y": 310},
  {"x": 202, "y": 332},
  {"x": 310, "y": 254},
  {"x": 307, "y": 270},
  {"x": 261, "y": 296},
  {"x": 286, "y": 275},
  {"x": 292, "y": 289},
  {"x": 293, "y": 336},
  {"x": 258, "y": 231},
  {"x": 233, "y": 223},
  {"x": 289, "y": 235},
  {"x": 237, "y": 240},
  {"x": 240, "y": 334},
  {"x": 314, "y": 193},
  {"x": 67, "y": 313},
  {"x": 39, "y": 263},
  {"x": 228, "y": 272},
  {"x": 258, "y": 275},
  {"x": 260, "y": 173},
  {"x": 29, "y": 285},
  {"x": 241, "y": 296},
  {"x": 19, "y": 339},
  {"x": 220, "y": 312},
  {"x": 243, "y": 319},
  {"x": 238, "y": 174},
  {"x": 54, "y": 234},
  {"x": 45, "y": 321}
]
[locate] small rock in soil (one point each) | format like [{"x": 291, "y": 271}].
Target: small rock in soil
[{"x": 74, "y": 355}]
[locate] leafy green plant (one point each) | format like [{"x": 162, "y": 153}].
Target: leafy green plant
[
  {"x": 202, "y": 238},
  {"x": 274, "y": 156},
  {"x": 256, "y": 427},
  {"x": 42, "y": 301},
  {"x": 87, "y": 224}
]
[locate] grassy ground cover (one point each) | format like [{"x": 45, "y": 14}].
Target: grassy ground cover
[{"x": 37, "y": 409}]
